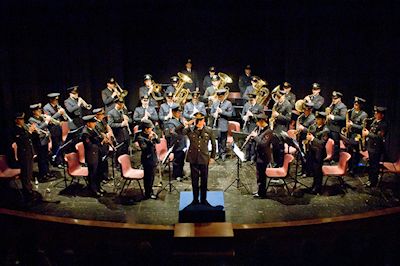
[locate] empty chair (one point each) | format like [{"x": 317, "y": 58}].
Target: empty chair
[
  {"x": 81, "y": 152},
  {"x": 389, "y": 167},
  {"x": 9, "y": 174},
  {"x": 338, "y": 170},
  {"x": 329, "y": 149},
  {"x": 232, "y": 126},
  {"x": 128, "y": 173},
  {"x": 74, "y": 167},
  {"x": 281, "y": 172},
  {"x": 64, "y": 130},
  {"x": 161, "y": 151}
]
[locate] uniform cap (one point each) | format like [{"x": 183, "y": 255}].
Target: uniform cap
[
  {"x": 316, "y": 86},
  {"x": 53, "y": 95},
  {"x": 147, "y": 77},
  {"x": 89, "y": 118},
  {"x": 146, "y": 124},
  {"x": 73, "y": 89},
  {"x": 336, "y": 94},
  {"x": 35, "y": 106},
  {"x": 98, "y": 111},
  {"x": 215, "y": 78}
]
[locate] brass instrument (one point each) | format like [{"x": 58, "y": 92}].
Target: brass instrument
[
  {"x": 38, "y": 130},
  {"x": 85, "y": 104},
  {"x": 261, "y": 92},
  {"x": 299, "y": 105},
  {"x": 52, "y": 120},
  {"x": 274, "y": 93},
  {"x": 306, "y": 142},
  {"x": 119, "y": 91},
  {"x": 346, "y": 130},
  {"x": 126, "y": 118},
  {"x": 361, "y": 139},
  {"x": 65, "y": 115},
  {"x": 156, "y": 89},
  {"x": 225, "y": 79},
  {"x": 182, "y": 93}
]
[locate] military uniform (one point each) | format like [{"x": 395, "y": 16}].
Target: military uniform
[
  {"x": 243, "y": 83},
  {"x": 250, "y": 89},
  {"x": 222, "y": 124},
  {"x": 108, "y": 100},
  {"x": 250, "y": 126},
  {"x": 198, "y": 157},
  {"x": 206, "y": 82},
  {"x": 193, "y": 75},
  {"x": 145, "y": 91},
  {"x": 101, "y": 128},
  {"x": 306, "y": 122},
  {"x": 210, "y": 91},
  {"x": 164, "y": 111},
  {"x": 139, "y": 113},
  {"x": 41, "y": 145},
  {"x": 173, "y": 131},
  {"x": 55, "y": 131},
  {"x": 291, "y": 98},
  {"x": 356, "y": 117},
  {"x": 190, "y": 108},
  {"x": 318, "y": 101},
  {"x": 263, "y": 158},
  {"x": 335, "y": 125},
  {"x": 281, "y": 124},
  {"x": 74, "y": 112},
  {"x": 121, "y": 133}
]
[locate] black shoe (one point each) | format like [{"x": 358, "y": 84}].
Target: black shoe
[
  {"x": 258, "y": 196},
  {"x": 194, "y": 202},
  {"x": 223, "y": 157},
  {"x": 316, "y": 190},
  {"x": 205, "y": 203}
]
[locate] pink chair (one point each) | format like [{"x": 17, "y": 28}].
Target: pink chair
[
  {"x": 64, "y": 130},
  {"x": 281, "y": 172},
  {"x": 74, "y": 168},
  {"x": 232, "y": 126},
  {"x": 161, "y": 151},
  {"x": 388, "y": 167},
  {"x": 342, "y": 145},
  {"x": 329, "y": 149},
  {"x": 234, "y": 95},
  {"x": 338, "y": 170},
  {"x": 7, "y": 173},
  {"x": 81, "y": 152},
  {"x": 128, "y": 173}
]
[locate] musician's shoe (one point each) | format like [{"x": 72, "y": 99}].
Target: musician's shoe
[
  {"x": 223, "y": 157},
  {"x": 259, "y": 196},
  {"x": 60, "y": 166}
]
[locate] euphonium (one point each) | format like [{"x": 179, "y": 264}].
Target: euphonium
[
  {"x": 182, "y": 93},
  {"x": 225, "y": 79},
  {"x": 261, "y": 92}
]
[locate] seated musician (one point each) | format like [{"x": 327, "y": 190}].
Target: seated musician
[
  {"x": 194, "y": 106},
  {"x": 250, "y": 89},
  {"x": 304, "y": 121},
  {"x": 119, "y": 122},
  {"x": 145, "y": 111},
  {"x": 164, "y": 114},
  {"x": 207, "y": 79},
  {"x": 171, "y": 88},
  {"x": 209, "y": 94},
  {"x": 250, "y": 110},
  {"x": 149, "y": 90}
]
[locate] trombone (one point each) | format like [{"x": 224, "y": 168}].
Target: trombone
[{"x": 119, "y": 91}]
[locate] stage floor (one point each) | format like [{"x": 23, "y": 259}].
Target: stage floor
[{"x": 240, "y": 206}]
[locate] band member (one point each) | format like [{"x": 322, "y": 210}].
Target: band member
[
  {"x": 221, "y": 111},
  {"x": 354, "y": 126},
  {"x": 304, "y": 121},
  {"x": 375, "y": 140},
  {"x": 191, "y": 74},
  {"x": 107, "y": 136},
  {"x": 336, "y": 119},
  {"x": 40, "y": 140},
  {"x": 262, "y": 138},
  {"x": 165, "y": 113},
  {"x": 198, "y": 156},
  {"x": 209, "y": 94},
  {"x": 207, "y": 79},
  {"x": 194, "y": 106},
  {"x": 149, "y": 90},
  {"x": 53, "y": 109},
  {"x": 173, "y": 131},
  {"x": 119, "y": 122},
  {"x": 22, "y": 137},
  {"x": 280, "y": 119},
  {"x": 171, "y": 88},
  {"x": 316, "y": 139},
  {"x": 147, "y": 142},
  {"x": 74, "y": 105},
  {"x": 250, "y": 110},
  {"x": 289, "y": 95},
  {"x": 251, "y": 88},
  {"x": 245, "y": 80},
  {"x": 315, "y": 97},
  {"x": 145, "y": 111},
  {"x": 109, "y": 94},
  {"x": 93, "y": 157}
]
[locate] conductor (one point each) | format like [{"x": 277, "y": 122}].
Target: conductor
[{"x": 198, "y": 155}]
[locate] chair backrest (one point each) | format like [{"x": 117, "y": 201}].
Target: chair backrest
[
  {"x": 233, "y": 125},
  {"x": 125, "y": 162},
  {"x": 161, "y": 149},
  {"x": 81, "y": 151},
  {"x": 64, "y": 130},
  {"x": 292, "y": 133},
  {"x": 344, "y": 158},
  {"x": 135, "y": 129},
  {"x": 234, "y": 95},
  {"x": 329, "y": 149},
  {"x": 286, "y": 162},
  {"x": 3, "y": 163},
  {"x": 72, "y": 160}
]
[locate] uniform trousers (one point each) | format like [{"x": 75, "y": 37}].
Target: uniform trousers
[
  {"x": 199, "y": 171},
  {"x": 178, "y": 163}
]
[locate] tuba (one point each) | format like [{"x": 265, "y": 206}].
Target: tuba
[
  {"x": 299, "y": 105},
  {"x": 225, "y": 79},
  {"x": 182, "y": 93},
  {"x": 261, "y": 92}
]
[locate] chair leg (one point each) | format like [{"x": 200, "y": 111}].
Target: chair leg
[
  {"x": 122, "y": 188},
  {"x": 141, "y": 190},
  {"x": 287, "y": 188},
  {"x": 19, "y": 191},
  {"x": 266, "y": 189},
  {"x": 342, "y": 183}
]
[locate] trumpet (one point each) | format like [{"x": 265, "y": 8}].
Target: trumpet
[
  {"x": 52, "y": 120},
  {"x": 84, "y": 103},
  {"x": 38, "y": 130},
  {"x": 65, "y": 115}
]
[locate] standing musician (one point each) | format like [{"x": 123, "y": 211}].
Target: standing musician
[
  {"x": 22, "y": 137},
  {"x": 336, "y": 119},
  {"x": 93, "y": 156},
  {"x": 262, "y": 137},
  {"x": 375, "y": 140},
  {"x": 109, "y": 94},
  {"x": 107, "y": 136},
  {"x": 191, "y": 74},
  {"x": 315, "y": 142},
  {"x": 198, "y": 156},
  {"x": 119, "y": 122},
  {"x": 173, "y": 131},
  {"x": 221, "y": 111},
  {"x": 147, "y": 142},
  {"x": 251, "y": 88},
  {"x": 353, "y": 127},
  {"x": 289, "y": 95},
  {"x": 315, "y": 97},
  {"x": 304, "y": 121},
  {"x": 249, "y": 113},
  {"x": 194, "y": 106},
  {"x": 245, "y": 80},
  {"x": 145, "y": 111},
  {"x": 171, "y": 88},
  {"x": 53, "y": 109},
  {"x": 279, "y": 121},
  {"x": 165, "y": 113},
  {"x": 149, "y": 90},
  {"x": 41, "y": 139},
  {"x": 74, "y": 105},
  {"x": 207, "y": 79},
  {"x": 209, "y": 94}
]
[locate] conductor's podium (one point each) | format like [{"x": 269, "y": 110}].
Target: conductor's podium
[{"x": 200, "y": 213}]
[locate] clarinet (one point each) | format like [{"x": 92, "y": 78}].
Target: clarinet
[{"x": 216, "y": 119}]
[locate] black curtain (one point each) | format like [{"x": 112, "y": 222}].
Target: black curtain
[{"x": 46, "y": 46}]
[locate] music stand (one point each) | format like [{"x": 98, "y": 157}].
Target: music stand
[
  {"x": 238, "y": 137},
  {"x": 167, "y": 160}
]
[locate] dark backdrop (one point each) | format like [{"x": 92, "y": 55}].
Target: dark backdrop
[{"x": 350, "y": 46}]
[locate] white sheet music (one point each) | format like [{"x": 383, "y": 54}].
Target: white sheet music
[{"x": 238, "y": 152}]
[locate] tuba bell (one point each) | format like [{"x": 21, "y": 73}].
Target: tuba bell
[
  {"x": 182, "y": 93},
  {"x": 299, "y": 105},
  {"x": 262, "y": 92},
  {"x": 225, "y": 79}
]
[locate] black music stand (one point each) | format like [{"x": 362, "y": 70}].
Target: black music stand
[
  {"x": 238, "y": 137},
  {"x": 163, "y": 162}
]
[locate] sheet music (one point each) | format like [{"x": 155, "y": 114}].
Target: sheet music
[
  {"x": 238, "y": 152},
  {"x": 167, "y": 154}
]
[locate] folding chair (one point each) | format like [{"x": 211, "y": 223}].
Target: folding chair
[{"x": 128, "y": 173}]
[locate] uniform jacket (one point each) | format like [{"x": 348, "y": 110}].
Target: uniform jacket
[
  {"x": 291, "y": 98},
  {"x": 210, "y": 91},
  {"x": 206, "y": 82},
  {"x": 189, "y": 107},
  {"x": 306, "y": 122},
  {"x": 108, "y": 101},
  {"x": 357, "y": 118},
  {"x": 115, "y": 118},
  {"x": 148, "y": 147},
  {"x": 227, "y": 112},
  {"x": 263, "y": 146},
  {"x": 317, "y": 146},
  {"x": 40, "y": 139},
  {"x": 48, "y": 109},
  {"x": 376, "y": 136},
  {"x": 283, "y": 119},
  {"x": 74, "y": 112},
  {"x": 92, "y": 143},
  {"x": 255, "y": 109},
  {"x": 164, "y": 111},
  {"x": 339, "y": 111},
  {"x": 140, "y": 111},
  {"x": 198, "y": 149},
  {"x": 22, "y": 138},
  {"x": 243, "y": 83},
  {"x": 173, "y": 130},
  {"x": 318, "y": 101}
]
